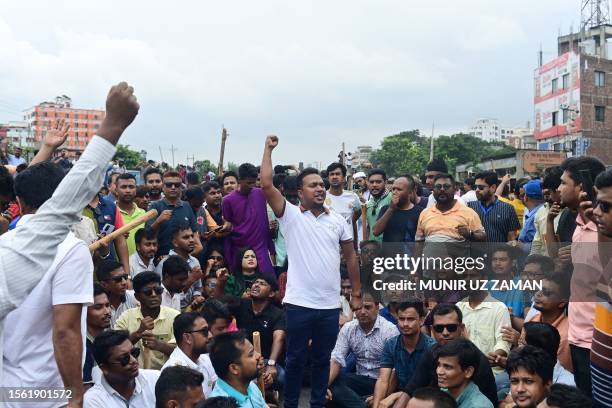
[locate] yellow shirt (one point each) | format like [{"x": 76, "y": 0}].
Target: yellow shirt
[
  {"x": 434, "y": 224},
  {"x": 519, "y": 208},
  {"x": 127, "y": 218},
  {"x": 162, "y": 329}
]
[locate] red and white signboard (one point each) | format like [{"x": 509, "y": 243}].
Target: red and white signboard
[{"x": 564, "y": 73}]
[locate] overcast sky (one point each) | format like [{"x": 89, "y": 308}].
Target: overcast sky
[{"x": 316, "y": 73}]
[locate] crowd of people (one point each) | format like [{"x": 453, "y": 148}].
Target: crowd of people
[{"x": 246, "y": 288}]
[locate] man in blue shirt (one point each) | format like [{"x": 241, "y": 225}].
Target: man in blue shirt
[
  {"x": 534, "y": 200},
  {"x": 236, "y": 364},
  {"x": 402, "y": 352},
  {"x": 503, "y": 268}
]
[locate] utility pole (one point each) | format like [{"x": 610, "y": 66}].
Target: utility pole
[
  {"x": 431, "y": 143},
  {"x": 224, "y": 135},
  {"x": 192, "y": 158},
  {"x": 161, "y": 155},
  {"x": 173, "y": 149}
]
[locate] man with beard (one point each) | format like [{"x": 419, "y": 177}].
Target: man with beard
[
  {"x": 550, "y": 190},
  {"x": 237, "y": 364},
  {"x": 149, "y": 325},
  {"x": 314, "y": 237},
  {"x": 217, "y": 228},
  {"x": 98, "y": 320},
  {"x": 192, "y": 335},
  {"x": 365, "y": 339},
  {"x": 403, "y": 352},
  {"x": 153, "y": 180},
  {"x": 229, "y": 182},
  {"x": 498, "y": 218},
  {"x": 379, "y": 198},
  {"x": 114, "y": 280},
  {"x": 397, "y": 222},
  {"x": 122, "y": 383},
  {"x": 448, "y": 326},
  {"x": 142, "y": 198},
  {"x": 362, "y": 186},
  {"x": 179, "y": 386},
  {"x": 172, "y": 211},
  {"x": 126, "y": 192}
]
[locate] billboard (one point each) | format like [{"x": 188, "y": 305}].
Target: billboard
[{"x": 557, "y": 97}]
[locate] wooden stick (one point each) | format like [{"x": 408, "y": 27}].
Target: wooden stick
[
  {"x": 257, "y": 346},
  {"x": 146, "y": 357},
  {"x": 126, "y": 228}
]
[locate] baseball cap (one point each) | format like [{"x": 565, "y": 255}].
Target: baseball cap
[{"x": 533, "y": 189}]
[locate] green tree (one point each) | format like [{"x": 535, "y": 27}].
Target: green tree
[
  {"x": 131, "y": 158},
  {"x": 401, "y": 153}
]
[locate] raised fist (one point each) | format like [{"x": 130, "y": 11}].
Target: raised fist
[{"x": 271, "y": 142}]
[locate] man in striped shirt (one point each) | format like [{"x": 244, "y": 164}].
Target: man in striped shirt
[{"x": 498, "y": 218}]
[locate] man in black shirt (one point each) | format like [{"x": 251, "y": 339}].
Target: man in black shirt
[
  {"x": 447, "y": 326},
  {"x": 258, "y": 314},
  {"x": 398, "y": 221}
]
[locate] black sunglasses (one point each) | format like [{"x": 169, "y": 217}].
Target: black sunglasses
[
  {"x": 170, "y": 185},
  {"x": 480, "y": 187},
  {"x": 148, "y": 291},
  {"x": 119, "y": 278},
  {"x": 203, "y": 330},
  {"x": 604, "y": 205},
  {"x": 443, "y": 186},
  {"x": 125, "y": 360},
  {"x": 439, "y": 328}
]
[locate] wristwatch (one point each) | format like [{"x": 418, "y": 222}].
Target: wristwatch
[{"x": 272, "y": 363}]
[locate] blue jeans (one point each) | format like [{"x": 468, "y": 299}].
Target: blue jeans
[{"x": 302, "y": 325}]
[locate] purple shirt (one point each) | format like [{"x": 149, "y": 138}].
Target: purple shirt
[{"x": 249, "y": 217}]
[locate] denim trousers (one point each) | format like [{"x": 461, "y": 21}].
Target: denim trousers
[{"x": 302, "y": 325}]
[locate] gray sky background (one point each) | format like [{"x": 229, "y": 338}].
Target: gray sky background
[{"x": 316, "y": 73}]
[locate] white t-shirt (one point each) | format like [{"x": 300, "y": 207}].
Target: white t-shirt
[
  {"x": 28, "y": 355},
  {"x": 313, "y": 247},
  {"x": 204, "y": 365},
  {"x": 102, "y": 395},
  {"x": 345, "y": 204}
]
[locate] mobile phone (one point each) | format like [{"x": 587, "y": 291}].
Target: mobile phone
[
  {"x": 587, "y": 184},
  {"x": 107, "y": 229}
]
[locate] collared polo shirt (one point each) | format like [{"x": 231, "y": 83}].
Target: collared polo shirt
[
  {"x": 397, "y": 357},
  {"x": 471, "y": 397},
  {"x": 162, "y": 329},
  {"x": 518, "y": 206},
  {"x": 441, "y": 226},
  {"x": 529, "y": 229},
  {"x": 266, "y": 323},
  {"x": 137, "y": 265},
  {"x": 373, "y": 210},
  {"x": 181, "y": 213},
  {"x": 498, "y": 219},
  {"x": 313, "y": 245},
  {"x": 171, "y": 300},
  {"x": 204, "y": 365},
  {"x": 253, "y": 399},
  {"x": 129, "y": 302},
  {"x": 127, "y": 218},
  {"x": 102, "y": 395}
]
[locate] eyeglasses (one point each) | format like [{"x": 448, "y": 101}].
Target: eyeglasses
[
  {"x": 443, "y": 186},
  {"x": 604, "y": 205},
  {"x": 170, "y": 185},
  {"x": 439, "y": 328},
  {"x": 480, "y": 187},
  {"x": 125, "y": 360},
  {"x": 216, "y": 258},
  {"x": 203, "y": 330},
  {"x": 119, "y": 278},
  {"x": 149, "y": 291}
]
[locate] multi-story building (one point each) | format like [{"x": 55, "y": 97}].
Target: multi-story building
[
  {"x": 573, "y": 96},
  {"x": 361, "y": 157},
  {"x": 84, "y": 123},
  {"x": 18, "y": 134},
  {"x": 486, "y": 129}
]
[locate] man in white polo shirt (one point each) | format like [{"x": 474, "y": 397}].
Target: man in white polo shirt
[
  {"x": 192, "y": 334},
  {"x": 314, "y": 237},
  {"x": 122, "y": 383}
]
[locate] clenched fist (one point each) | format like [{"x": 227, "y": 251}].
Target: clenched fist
[{"x": 121, "y": 109}]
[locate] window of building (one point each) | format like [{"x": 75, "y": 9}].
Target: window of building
[
  {"x": 555, "y": 118},
  {"x": 565, "y": 115},
  {"x": 565, "y": 79},
  {"x": 555, "y": 85},
  {"x": 600, "y": 113},
  {"x": 600, "y": 78},
  {"x": 45, "y": 114}
]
